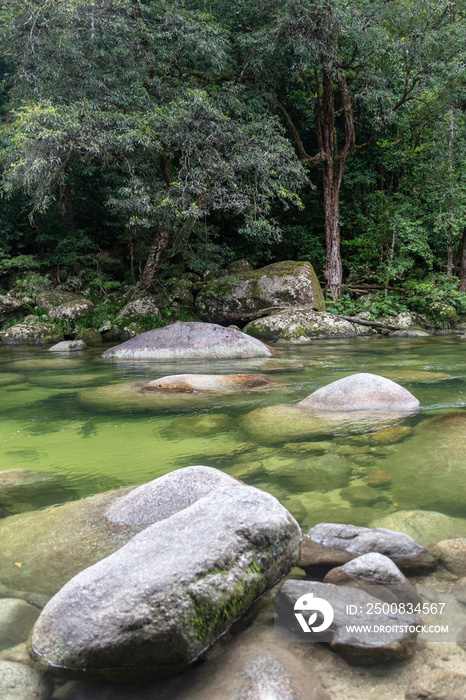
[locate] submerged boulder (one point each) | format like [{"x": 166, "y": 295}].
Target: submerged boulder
[
  {"x": 26, "y": 489},
  {"x": 431, "y": 475},
  {"x": 281, "y": 284},
  {"x": 171, "y": 393},
  {"x": 82, "y": 532},
  {"x": 188, "y": 383},
  {"x": 300, "y": 326},
  {"x": 156, "y": 604},
  {"x": 190, "y": 340},
  {"x": 356, "y": 403}
]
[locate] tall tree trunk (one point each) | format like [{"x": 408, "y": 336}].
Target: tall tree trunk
[
  {"x": 158, "y": 246},
  {"x": 333, "y": 268},
  {"x": 333, "y": 166}
]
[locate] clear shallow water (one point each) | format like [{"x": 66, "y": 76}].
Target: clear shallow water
[{"x": 48, "y": 423}]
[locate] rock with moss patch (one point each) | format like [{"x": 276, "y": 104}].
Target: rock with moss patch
[
  {"x": 137, "y": 308},
  {"x": 154, "y": 605},
  {"x": 33, "y": 333},
  {"x": 64, "y": 305},
  {"x": 299, "y": 326},
  {"x": 218, "y": 383},
  {"x": 90, "y": 336},
  {"x": 190, "y": 340},
  {"x": 281, "y": 284}
]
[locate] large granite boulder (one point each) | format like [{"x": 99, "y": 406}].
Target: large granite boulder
[
  {"x": 281, "y": 284},
  {"x": 300, "y": 326},
  {"x": 333, "y": 544},
  {"x": 361, "y": 392},
  {"x": 82, "y": 532},
  {"x": 380, "y": 637},
  {"x": 156, "y": 604},
  {"x": 189, "y": 341},
  {"x": 32, "y": 333},
  {"x": 357, "y": 403}
]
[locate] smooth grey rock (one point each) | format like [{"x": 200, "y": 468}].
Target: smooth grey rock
[
  {"x": 171, "y": 591},
  {"x": 361, "y": 392},
  {"x": 82, "y": 532},
  {"x": 439, "y": 684},
  {"x": 394, "y": 643},
  {"x": 20, "y": 682},
  {"x": 69, "y": 346},
  {"x": 377, "y": 575},
  {"x": 334, "y": 544},
  {"x": 425, "y": 526},
  {"x": 33, "y": 333},
  {"x": 16, "y": 621},
  {"x": 161, "y": 498},
  {"x": 299, "y": 326},
  {"x": 452, "y": 554},
  {"x": 190, "y": 340},
  {"x": 139, "y": 307},
  {"x": 281, "y": 284}
]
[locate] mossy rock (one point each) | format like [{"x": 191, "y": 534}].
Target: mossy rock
[
  {"x": 91, "y": 336},
  {"x": 33, "y": 334},
  {"x": 299, "y": 326},
  {"x": 285, "y": 283}
]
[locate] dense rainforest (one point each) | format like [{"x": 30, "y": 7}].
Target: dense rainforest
[{"x": 143, "y": 141}]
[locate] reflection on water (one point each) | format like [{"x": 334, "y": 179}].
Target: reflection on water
[{"x": 49, "y": 425}]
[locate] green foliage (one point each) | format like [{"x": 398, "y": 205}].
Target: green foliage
[
  {"x": 438, "y": 298},
  {"x": 377, "y": 304},
  {"x": 33, "y": 284}
]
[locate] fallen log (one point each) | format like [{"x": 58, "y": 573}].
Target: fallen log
[{"x": 363, "y": 322}]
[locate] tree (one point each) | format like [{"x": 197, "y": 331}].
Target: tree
[
  {"x": 145, "y": 90},
  {"x": 357, "y": 64}
]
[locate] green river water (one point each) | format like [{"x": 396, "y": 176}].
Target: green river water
[
  {"x": 71, "y": 415},
  {"x": 50, "y": 421}
]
